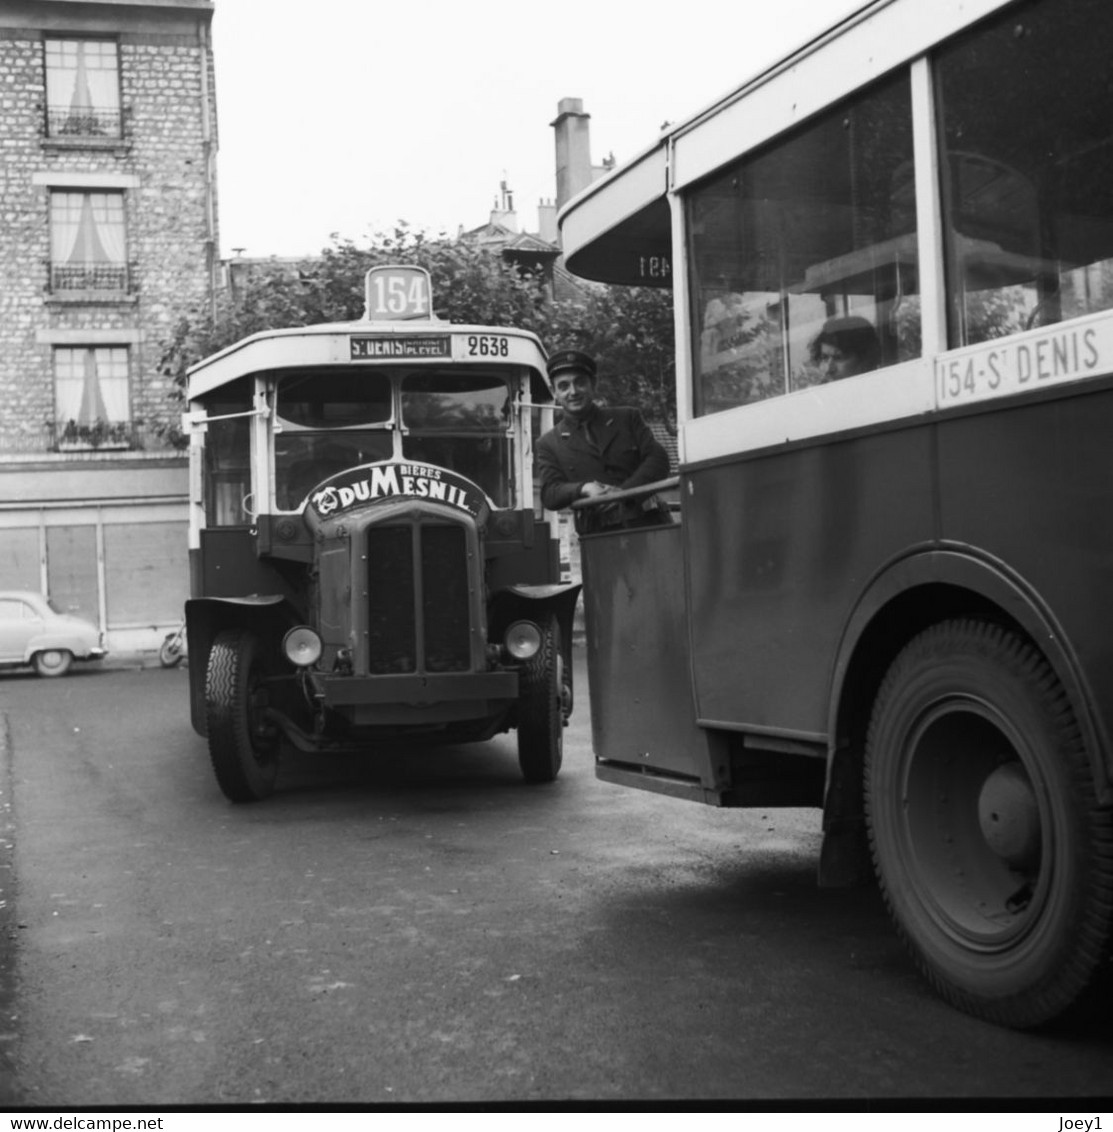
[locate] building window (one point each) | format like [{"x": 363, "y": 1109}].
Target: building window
[
  {"x": 88, "y": 244},
  {"x": 91, "y": 397},
  {"x": 82, "y": 88}
]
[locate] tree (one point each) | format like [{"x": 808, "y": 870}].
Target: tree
[
  {"x": 469, "y": 285},
  {"x": 627, "y": 330}
]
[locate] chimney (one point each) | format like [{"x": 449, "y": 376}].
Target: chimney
[
  {"x": 546, "y": 221},
  {"x": 503, "y": 212},
  {"x": 573, "y": 149}
]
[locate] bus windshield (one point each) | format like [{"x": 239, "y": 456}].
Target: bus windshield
[
  {"x": 461, "y": 423},
  {"x": 326, "y": 422}
]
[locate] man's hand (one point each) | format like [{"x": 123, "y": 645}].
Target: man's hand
[{"x": 594, "y": 488}]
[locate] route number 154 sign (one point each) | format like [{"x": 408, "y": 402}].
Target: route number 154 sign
[{"x": 397, "y": 293}]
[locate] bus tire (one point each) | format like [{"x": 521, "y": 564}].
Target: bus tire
[
  {"x": 540, "y": 708},
  {"x": 242, "y": 746},
  {"x": 52, "y": 662},
  {"x": 991, "y": 852}
]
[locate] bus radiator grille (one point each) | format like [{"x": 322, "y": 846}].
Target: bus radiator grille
[
  {"x": 395, "y": 624},
  {"x": 391, "y": 616},
  {"x": 445, "y": 605}
]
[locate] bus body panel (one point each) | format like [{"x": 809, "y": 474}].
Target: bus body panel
[
  {"x": 892, "y": 255},
  {"x": 959, "y": 476},
  {"x": 1032, "y": 486},
  {"x": 639, "y": 666},
  {"x": 802, "y": 530}
]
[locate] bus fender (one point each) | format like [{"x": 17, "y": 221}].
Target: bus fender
[
  {"x": 511, "y": 602},
  {"x": 956, "y": 581},
  {"x": 207, "y": 616}
]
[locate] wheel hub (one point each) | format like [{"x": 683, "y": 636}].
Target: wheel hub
[{"x": 1009, "y": 817}]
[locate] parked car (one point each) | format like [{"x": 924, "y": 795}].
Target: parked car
[{"x": 33, "y": 631}]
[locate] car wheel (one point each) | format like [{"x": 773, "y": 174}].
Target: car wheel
[
  {"x": 243, "y": 746},
  {"x": 991, "y": 851},
  {"x": 52, "y": 662},
  {"x": 540, "y": 709}
]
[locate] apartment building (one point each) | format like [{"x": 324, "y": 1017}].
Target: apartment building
[{"x": 107, "y": 234}]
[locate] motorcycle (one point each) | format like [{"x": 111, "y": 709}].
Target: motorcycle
[{"x": 173, "y": 648}]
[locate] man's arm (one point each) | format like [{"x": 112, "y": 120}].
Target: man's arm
[
  {"x": 557, "y": 491},
  {"x": 654, "y": 460}
]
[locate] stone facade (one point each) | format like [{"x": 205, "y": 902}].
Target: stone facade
[
  {"x": 162, "y": 163},
  {"x": 157, "y": 155}
]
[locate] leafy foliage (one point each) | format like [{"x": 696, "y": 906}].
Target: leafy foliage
[{"x": 628, "y": 330}]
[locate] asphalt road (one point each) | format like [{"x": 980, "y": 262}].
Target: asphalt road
[{"x": 424, "y": 928}]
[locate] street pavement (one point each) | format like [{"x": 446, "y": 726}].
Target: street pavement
[{"x": 424, "y": 928}]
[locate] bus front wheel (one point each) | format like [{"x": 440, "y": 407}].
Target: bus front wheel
[
  {"x": 243, "y": 747},
  {"x": 990, "y": 849},
  {"x": 541, "y": 709}
]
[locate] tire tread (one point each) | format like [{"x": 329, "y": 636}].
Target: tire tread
[{"x": 1088, "y": 962}]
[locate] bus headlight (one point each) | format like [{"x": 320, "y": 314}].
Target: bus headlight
[
  {"x": 523, "y": 639},
  {"x": 302, "y": 646}
]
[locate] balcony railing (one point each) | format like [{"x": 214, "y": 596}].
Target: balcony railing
[
  {"x": 105, "y": 277},
  {"x": 65, "y": 122},
  {"x": 99, "y": 436}
]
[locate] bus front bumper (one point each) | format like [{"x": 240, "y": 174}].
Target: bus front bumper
[{"x": 414, "y": 689}]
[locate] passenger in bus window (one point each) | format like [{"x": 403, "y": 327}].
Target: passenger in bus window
[
  {"x": 845, "y": 347},
  {"x": 595, "y": 450}
]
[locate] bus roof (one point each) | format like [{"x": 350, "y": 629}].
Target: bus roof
[
  {"x": 619, "y": 229},
  {"x": 364, "y": 342}
]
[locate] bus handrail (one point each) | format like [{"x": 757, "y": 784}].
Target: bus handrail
[{"x": 627, "y": 493}]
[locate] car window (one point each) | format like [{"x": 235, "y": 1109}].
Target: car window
[{"x": 12, "y": 609}]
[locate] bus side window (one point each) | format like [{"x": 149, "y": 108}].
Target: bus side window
[
  {"x": 813, "y": 233},
  {"x": 1027, "y": 171},
  {"x": 226, "y": 469},
  {"x": 227, "y": 472}
]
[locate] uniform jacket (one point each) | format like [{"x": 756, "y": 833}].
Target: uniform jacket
[{"x": 624, "y": 453}]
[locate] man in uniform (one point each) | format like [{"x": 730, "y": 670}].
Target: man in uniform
[{"x": 594, "y": 451}]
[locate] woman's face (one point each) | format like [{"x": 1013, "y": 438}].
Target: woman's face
[{"x": 836, "y": 363}]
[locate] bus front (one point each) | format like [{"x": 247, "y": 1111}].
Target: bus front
[{"x": 368, "y": 562}]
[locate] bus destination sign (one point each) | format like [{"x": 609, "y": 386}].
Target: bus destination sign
[
  {"x": 368, "y": 347},
  {"x": 1034, "y": 360}
]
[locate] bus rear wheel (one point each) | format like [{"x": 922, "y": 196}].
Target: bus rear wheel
[
  {"x": 992, "y": 854},
  {"x": 243, "y": 747},
  {"x": 541, "y": 709}
]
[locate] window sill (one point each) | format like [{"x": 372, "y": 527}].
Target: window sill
[
  {"x": 119, "y": 146},
  {"x": 90, "y": 298},
  {"x": 89, "y": 446}
]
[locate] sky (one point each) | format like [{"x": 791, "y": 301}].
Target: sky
[{"x": 346, "y": 116}]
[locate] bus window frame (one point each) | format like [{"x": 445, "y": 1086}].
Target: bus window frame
[
  {"x": 903, "y": 389},
  {"x": 773, "y": 106},
  {"x": 788, "y": 145},
  {"x": 516, "y": 431},
  {"x": 197, "y": 422}
]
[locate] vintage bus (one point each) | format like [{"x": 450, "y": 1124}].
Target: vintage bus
[
  {"x": 891, "y": 256},
  {"x": 368, "y": 564}
]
